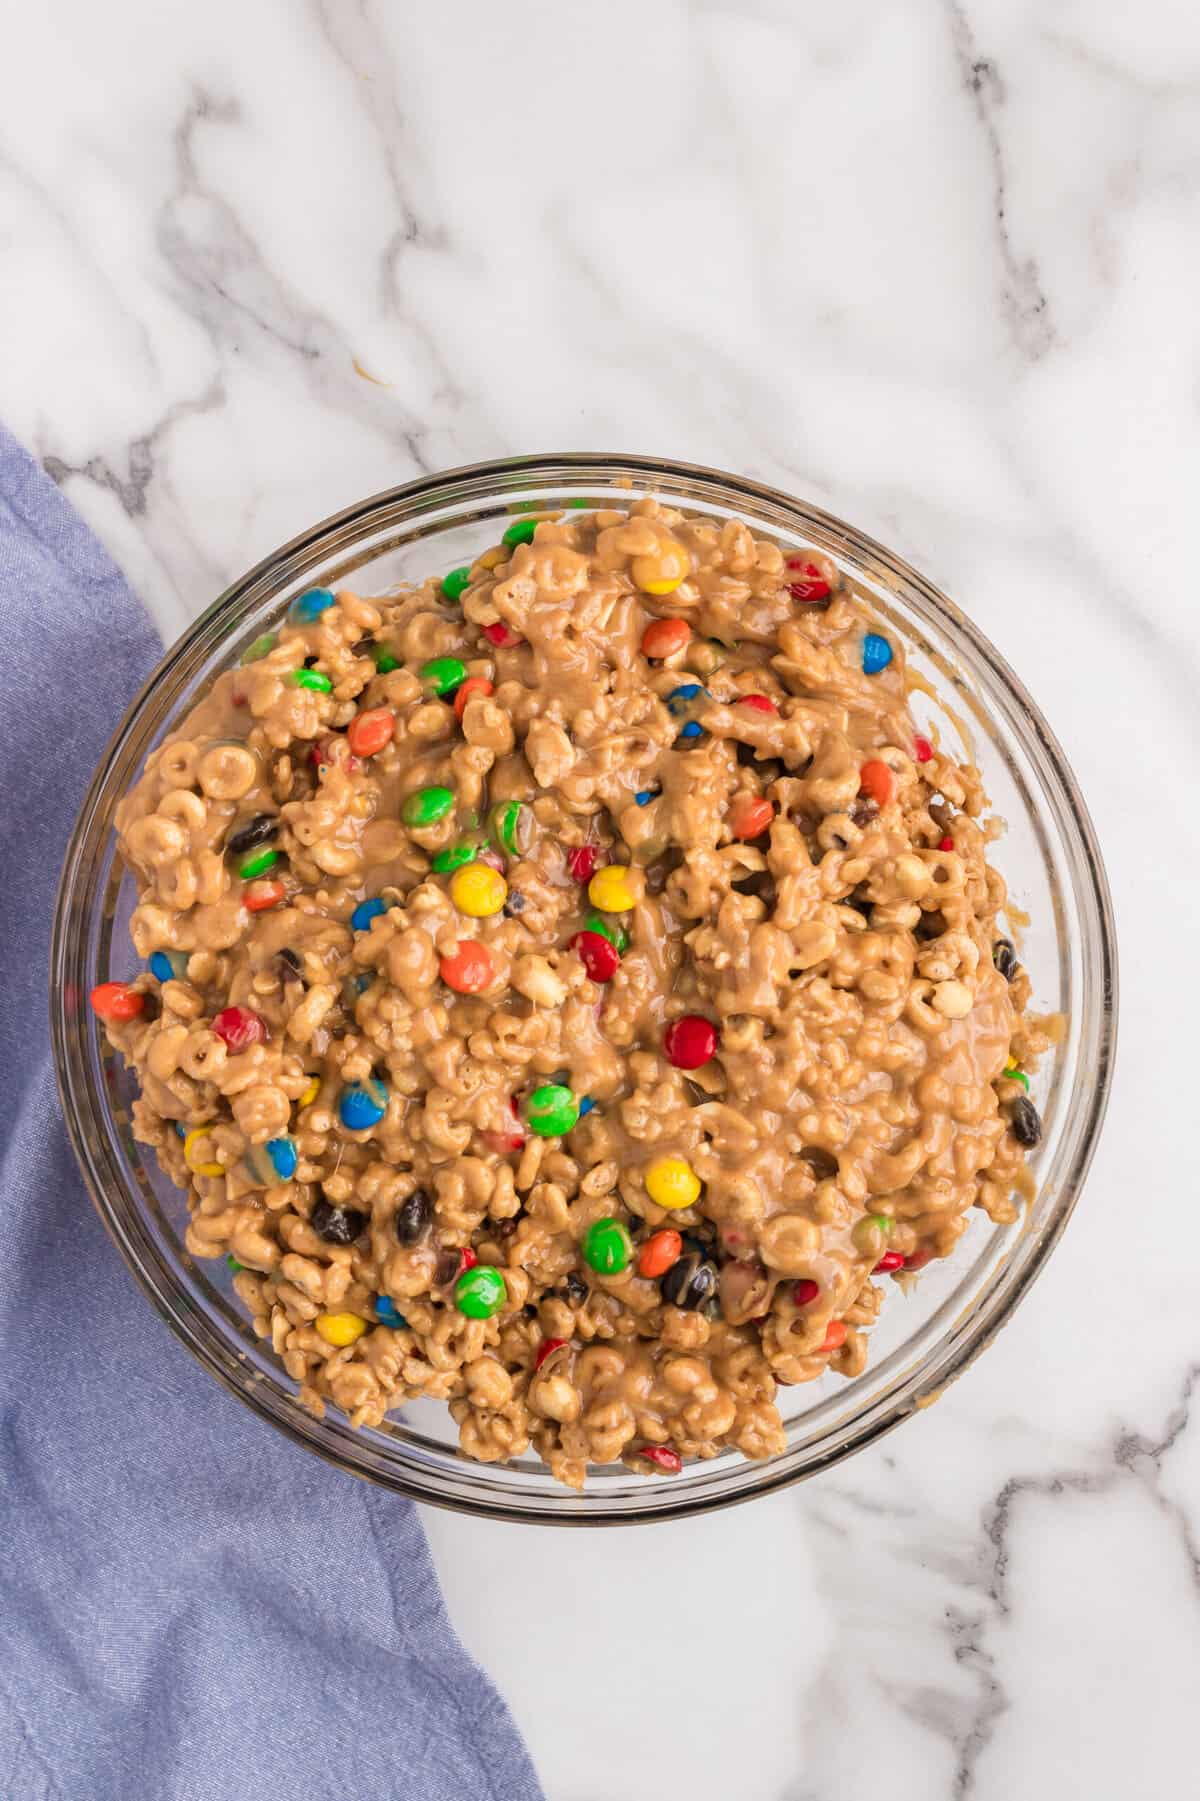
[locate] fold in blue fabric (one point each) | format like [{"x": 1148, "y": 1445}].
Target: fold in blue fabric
[{"x": 191, "y": 1608}]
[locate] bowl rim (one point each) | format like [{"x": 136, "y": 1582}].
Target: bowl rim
[{"x": 546, "y": 468}]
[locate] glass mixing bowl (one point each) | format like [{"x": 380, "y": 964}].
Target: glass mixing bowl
[{"x": 1049, "y": 857}]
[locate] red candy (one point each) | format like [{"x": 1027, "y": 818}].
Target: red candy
[
  {"x": 811, "y": 585},
  {"x": 918, "y": 1259},
  {"x": 501, "y": 635},
  {"x": 545, "y": 1348},
  {"x": 258, "y": 896},
  {"x": 662, "y": 637},
  {"x": 239, "y": 1027},
  {"x": 467, "y": 1259},
  {"x": 750, "y": 817},
  {"x": 660, "y": 1251},
  {"x": 582, "y": 862},
  {"x": 805, "y": 1293},
  {"x": 759, "y": 702},
  {"x": 877, "y": 782},
  {"x": 924, "y": 750},
  {"x": 666, "y": 1459},
  {"x": 474, "y": 684},
  {"x": 116, "y": 1001},
  {"x": 946, "y": 843},
  {"x": 368, "y": 732},
  {"x": 468, "y": 969},
  {"x": 889, "y": 1260},
  {"x": 512, "y": 1140},
  {"x": 835, "y": 1335},
  {"x": 598, "y": 955},
  {"x": 690, "y": 1041}
]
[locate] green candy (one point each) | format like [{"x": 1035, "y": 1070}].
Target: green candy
[
  {"x": 447, "y": 861},
  {"x": 882, "y": 1220},
  {"x": 608, "y": 928},
  {"x": 427, "y": 806},
  {"x": 506, "y": 823},
  {"x": 480, "y": 1292},
  {"x": 258, "y": 864},
  {"x": 607, "y": 1247},
  {"x": 867, "y": 1233},
  {"x": 456, "y": 583},
  {"x": 233, "y": 1263},
  {"x": 260, "y": 648},
  {"x": 444, "y": 674},
  {"x": 308, "y": 678},
  {"x": 551, "y": 1110},
  {"x": 520, "y": 533},
  {"x": 1013, "y": 1074},
  {"x": 385, "y": 662}
]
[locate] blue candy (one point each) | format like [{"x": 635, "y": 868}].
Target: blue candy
[
  {"x": 168, "y": 966},
  {"x": 362, "y": 1105},
  {"x": 876, "y": 653},
  {"x": 181, "y": 1128},
  {"x": 385, "y": 1312},
  {"x": 679, "y": 698},
  {"x": 586, "y": 1105},
  {"x": 272, "y": 1162},
  {"x": 365, "y": 912},
  {"x": 691, "y": 730},
  {"x": 284, "y": 1157},
  {"x": 646, "y": 795},
  {"x": 310, "y": 606}
]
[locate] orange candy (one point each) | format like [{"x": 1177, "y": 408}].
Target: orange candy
[
  {"x": 660, "y": 1251},
  {"x": 877, "y": 782},
  {"x": 663, "y": 637},
  {"x": 469, "y": 968},
  {"x": 750, "y": 817},
  {"x": 258, "y": 896},
  {"x": 474, "y": 684},
  {"x": 835, "y": 1335},
  {"x": 116, "y": 1001},
  {"x": 370, "y": 731}
]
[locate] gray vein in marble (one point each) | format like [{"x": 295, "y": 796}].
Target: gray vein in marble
[
  {"x": 224, "y": 279},
  {"x": 1143, "y": 1458},
  {"x": 130, "y": 490},
  {"x": 1026, "y": 307}
]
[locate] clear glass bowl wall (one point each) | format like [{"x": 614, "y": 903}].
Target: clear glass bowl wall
[{"x": 1049, "y": 857}]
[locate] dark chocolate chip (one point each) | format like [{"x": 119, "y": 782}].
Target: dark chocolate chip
[
  {"x": 1004, "y": 956},
  {"x": 690, "y": 1282},
  {"x": 336, "y": 1225},
  {"x": 259, "y": 830},
  {"x": 823, "y": 1163},
  {"x": 363, "y": 648},
  {"x": 1026, "y": 1122},
  {"x": 414, "y": 1217}
]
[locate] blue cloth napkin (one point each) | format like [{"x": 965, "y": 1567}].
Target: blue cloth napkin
[{"x": 191, "y": 1608}]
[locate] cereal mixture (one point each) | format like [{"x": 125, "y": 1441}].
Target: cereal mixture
[{"x": 575, "y": 991}]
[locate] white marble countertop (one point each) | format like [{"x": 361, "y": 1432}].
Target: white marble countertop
[{"x": 932, "y": 265}]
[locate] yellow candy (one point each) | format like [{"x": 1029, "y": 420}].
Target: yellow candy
[
  {"x": 311, "y": 1092},
  {"x": 662, "y": 572},
  {"x": 672, "y": 1183},
  {"x": 610, "y": 891},
  {"x": 478, "y": 890},
  {"x": 340, "y": 1328},
  {"x": 200, "y": 1169}
]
